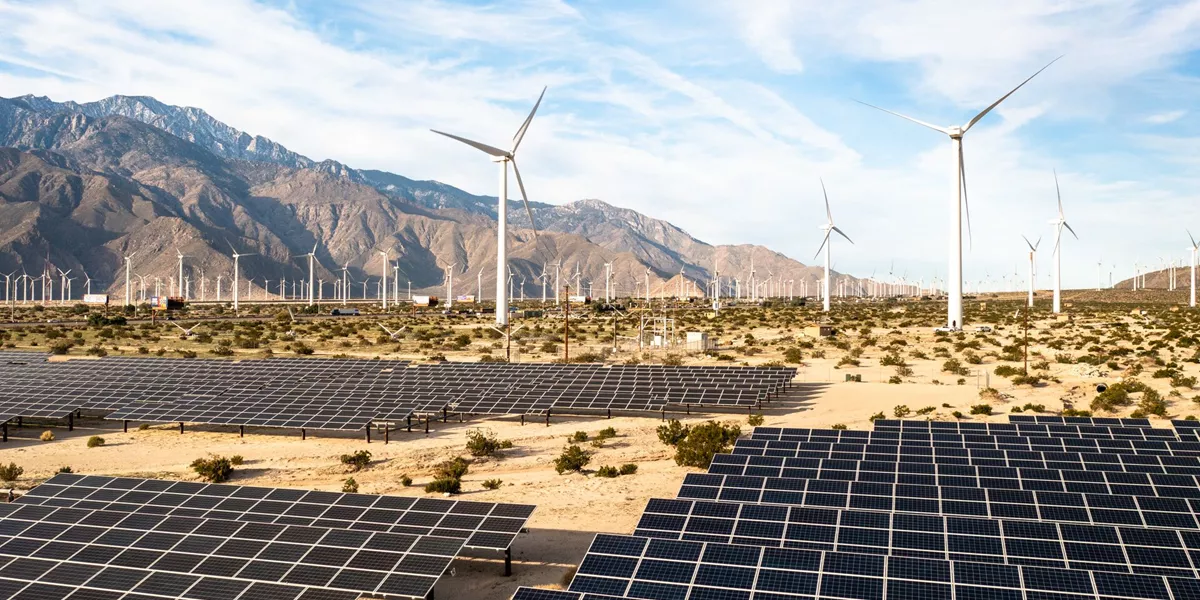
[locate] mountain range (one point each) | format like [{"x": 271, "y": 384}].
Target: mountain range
[{"x": 83, "y": 185}]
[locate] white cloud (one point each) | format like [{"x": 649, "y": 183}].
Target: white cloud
[{"x": 1165, "y": 117}]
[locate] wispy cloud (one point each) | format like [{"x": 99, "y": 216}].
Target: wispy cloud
[
  {"x": 717, "y": 117},
  {"x": 1165, "y": 117}
]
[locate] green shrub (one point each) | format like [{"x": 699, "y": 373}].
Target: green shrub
[
  {"x": 237, "y": 460},
  {"x": 1030, "y": 380},
  {"x": 1117, "y": 395},
  {"x": 793, "y": 355},
  {"x": 452, "y": 469},
  {"x": 704, "y": 441},
  {"x": 64, "y": 470},
  {"x": 215, "y": 469},
  {"x": 10, "y": 472},
  {"x": 1152, "y": 403},
  {"x": 957, "y": 414},
  {"x": 755, "y": 420},
  {"x": 1008, "y": 371},
  {"x": 481, "y": 442},
  {"x": 954, "y": 367},
  {"x": 47, "y": 436},
  {"x": 628, "y": 469},
  {"x": 405, "y": 480},
  {"x": 492, "y": 484},
  {"x": 578, "y": 437},
  {"x": 1071, "y": 412},
  {"x": 1183, "y": 381},
  {"x": 877, "y": 416},
  {"x": 607, "y": 471},
  {"x": 900, "y": 411},
  {"x": 357, "y": 461},
  {"x": 606, "y": 433},
  {"x": 573, "y": 458},
  {"x": 673, "y": 432},
  {"x": 981, "y": 409},
  {"x": 838, "y": 426},
  {"x": 350, "y": 486},
  {"x": 95, "y": 441},
  {"x": 444, "y": 486}
]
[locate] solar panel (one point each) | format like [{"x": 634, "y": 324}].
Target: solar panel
[
  {"x": 1054, "y": 419},
  {"x": 637, "y": 567},
  {"x": 1142, "y": 511},
  {"x": 481, "y": 525},
  {"x": 974, "y": 539},
  {"x": 918, "y": 444},
  {"x": 1020, "y": 428}
]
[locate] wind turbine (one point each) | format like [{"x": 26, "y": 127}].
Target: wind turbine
[
  {"x": 1194, "y": 248},
  {"x": 828, "y": 228},
  {"x": 181, "y": 289},
  {"x": 954, "y": 278},
  {"x": 65, "y": 290},
  {"x": 504, "y": 157},
  {"x": 450, "y": 285},
  {"x": 1032, "y": 265},
  {"x": 393, "y": 334},
  {"x": 186, "y": 332},
  {"x": 127, "y": 259},
  {"x": 1059, "y": 223},
  {"x": 311, "y": 276},
  {"x": 384, "y": 270},
  {"x": 236, "y": 278},
  {"x": 345, "y": 283}
]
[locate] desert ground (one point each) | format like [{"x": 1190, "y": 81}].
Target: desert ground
[{"x": 1146, "y": 344}]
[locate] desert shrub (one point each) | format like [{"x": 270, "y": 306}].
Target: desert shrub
[
  {"x": 607, "y": 471},
  {"x": 1071, "y": 412},
  {"x": 10, "y": 472},
  {"x": 452, "y": 469},
  {"x": 755, "y": 420},
  {"x": 1007, "y": 371},
  {"x": 1117, "y": 395},
  {"x": 672, "y": 360},
  {"x": 1183, "y": 381},
  {"x": 957, "y": 414},
  {"x": 877, "y": 416},
  {"x": 793, "y": 355},
  {"x": 972, "y": 358},
  {"x": 673, "y": 432},
  {"x": 301, "y": 348},
  {"x": 47, "y": 436},
  {"x": 444, "y": 486},
  {"x": 65, "y": 470},
  {"x": 1030, "y": 380},
  {"x": 900, "y": 411},
  {"x": 704, "y": 441},
  {"x": 892, "y": 359},
  {"x": 902, "y": 371},
  {"x": 573, "y": 458},
  {"x": 492, "y": 484},
  {"x": 578, "y": 437},
  {"x": 481, "y": 442},
  {"x": 895, "y": 380},
  {"x": 1152, "y": 403},
  {"x": 405, "y": 480},
  {"x": 954, "y": 367},
  {"x": 61, "y": 347},
  {"x": 606, "y": 434},
  {"x": 1040, "y": 365},
  {"x": 838, "y": 426},
  {"x": 350, "y": 486},
  {"x": 357, "y": 461},
  {"x": 981, "y": 409},
  {"x": 95, "y": 441},
  {"x": 927, "y": 410},
  {"x": 848, "y": 361},
  {"x": 237, "y": 460},
  {"x": 1164, "y": 373},
  {"x": 1031, "y": 407},
  {"x": 214, "y": 469},
  {"x": 628, "y": 469},
  {"x": 1064, "y": 359}
]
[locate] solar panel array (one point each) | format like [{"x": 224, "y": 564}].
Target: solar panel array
[
  {"x": 349, "y": 394},
  {"x": 1052, "y": 509}
]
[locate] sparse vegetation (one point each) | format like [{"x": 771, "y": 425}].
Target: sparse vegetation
[
  {"x": 573, "y": 458},
  {"x": 214, "y": 469},
  {"x": 357, "y": 461},
  {"x": 95, "y": 441},
  {"x": 10, "y": 472},
  {"x": 704, "y": 441}
]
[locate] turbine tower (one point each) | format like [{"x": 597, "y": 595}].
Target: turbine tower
[
  {"x": 311, "y": 257},
  {"x": 1059, "y": 223},
  {"x": 127, "y": 260},
  {"x": 504, "y": 157},
  {"x": 828, "y": 228},
  {"x": 384, "y": 270},
  {"x": 1032, "y": 265},
  {"x": 181, "y": 257},
  {"x": 236, "y": 277},
  {"x": 1194, "y": 248},
  {"x": 954, "y": 280}
]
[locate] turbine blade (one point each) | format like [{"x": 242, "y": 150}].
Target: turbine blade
[
  {"x": 962, "y": 170},
  {"x": 823, "y": 242},
  {"x": 1059, "y": 193},
  {"x": 987, "y": 110},
  {"x": 478, "y": 146},
  {"x": 525, "y": 200},
  {"x": 1068, "y": 226},
  {"x": 1192, "y": 238},
  {"x": 907, "y": 118},
  {"x": 1039, "y": 243},
  {"x": 843, "y": 234},
  {"x": 828, "y": 214},
  {"x": 1028, "y": 243},
  {"x": 525, "y": 126}
]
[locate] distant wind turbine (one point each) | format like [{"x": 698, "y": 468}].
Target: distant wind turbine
[
  {"x": 1059, "y": 223},
  {"x": 1194, "y": 248},
  {"x": 954, "y": 278},
  {"x": 504, "y": 157},
  {"x": 828, "y": 228},
  {"x": 1032, "y": 265}
]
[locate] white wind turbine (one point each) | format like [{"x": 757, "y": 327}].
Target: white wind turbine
[
  {"x": 1032, "y": 265},
  {"x": 181, "y": 257},
  {"x": 828, "y": 228},
  {"x": 504, "y": 157},
  {"x": 384, "y": 269},
  {"x": 1059, "y": 223},
  {"x": 236, "y": 277},
  {"x": 65, "y": 289},
  {"x": 1193, "y": 249},
  {"x": 954, "y": 280},
  {"x": 312, "y": 256},
  {"x": 450, "y": 285}
]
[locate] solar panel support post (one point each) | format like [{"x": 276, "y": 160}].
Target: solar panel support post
[
  {"x": 547, "y": 417},
  {"x": 522, "y": 419},
  {"x": 368, "y": 433},
  {"x": 408, "y": 422},
  {"x": 508, "y": 562},
  {"x": 241, "y": 431},
  {"x": 5, "y": 426},
  {"x": 445, "y": 414},
  {"x": 386, "y": 429},
  {"x": 426, "y": 423},
  {"x": 610, "y": 413},
  {"x": 71, "y": 421},
  {"x": 181, "y": 428},
  {"x": 125, "y": 426},
  {"x": 303, "y": 434}
]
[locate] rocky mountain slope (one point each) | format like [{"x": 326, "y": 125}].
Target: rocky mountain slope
[{"x": 83, "y": 185}]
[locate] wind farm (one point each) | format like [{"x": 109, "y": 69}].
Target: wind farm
[{"x": 231, "y": 368}]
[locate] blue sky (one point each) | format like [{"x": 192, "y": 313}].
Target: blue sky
[{"x": 717, "y": 116}]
